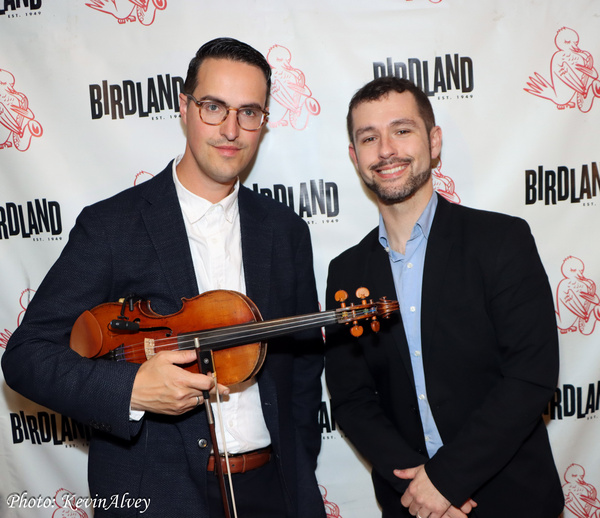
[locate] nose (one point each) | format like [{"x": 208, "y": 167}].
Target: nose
[
  {"x": 230, "y": 128},
  {"x": 386, "y": 148}
]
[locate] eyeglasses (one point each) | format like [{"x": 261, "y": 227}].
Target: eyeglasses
[{"x": 214, "y": 113}]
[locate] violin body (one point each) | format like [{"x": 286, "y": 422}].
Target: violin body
[{"x": 119, "y": 332}]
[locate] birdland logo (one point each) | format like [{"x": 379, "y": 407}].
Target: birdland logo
[
  {"x": 573, "y": 80},
  {"x": 14, "y": 8},
  {"x": 577, "y": 402},
  {"x": 142, "y": 99},
  {"x": 17, "y": 122},
  {"x": 37, "y": 219},
  {"x": 128, "y": 11},
  {"x": 327, "y": 421},
  {"x": 449, "y": 76},
  {"x": 308, "y": 200},
  {"x": 47, "y": 428},
  {"x": 562, "y": 184}
]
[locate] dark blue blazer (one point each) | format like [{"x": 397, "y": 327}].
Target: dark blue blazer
[
  {"x": 490, "y": 354},
  {"x": 135, "y": 242}
]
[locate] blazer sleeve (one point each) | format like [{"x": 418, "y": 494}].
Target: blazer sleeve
[{"x": 38, "y": 362}]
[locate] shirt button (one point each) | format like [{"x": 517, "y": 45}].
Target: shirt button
[
  {"x": 413, "y": 309},
  {"x": 422, "y": 397},
  {"x": 409, "y": 265},
  {"x": 202, "y": 443},
  {"x": 427, "y": 438},
  {"x": 417, "y": 353}
]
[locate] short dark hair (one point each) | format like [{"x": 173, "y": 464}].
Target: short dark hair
[
  {"x": 381, "y": 87},
  {"x": 226, "y": 48}
]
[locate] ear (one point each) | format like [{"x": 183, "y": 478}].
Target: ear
[
  {"x": 183, "y": 105},
  {"x": 352, "y": 153},
  {"x": 435, "y": 138}
]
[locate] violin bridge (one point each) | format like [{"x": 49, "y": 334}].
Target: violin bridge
[{"x": 149, "y": 348}]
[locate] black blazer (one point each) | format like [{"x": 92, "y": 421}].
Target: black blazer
[
  {"x": 490, "y": 353},
  {"x": 136, "y": 242}
]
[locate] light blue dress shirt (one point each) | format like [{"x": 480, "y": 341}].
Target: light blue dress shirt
[{"x": 407, "y": 270}]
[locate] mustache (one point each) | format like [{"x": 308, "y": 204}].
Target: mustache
[
  {"x": 225, "y": 142},
  {"x": 391, "y": 161}
]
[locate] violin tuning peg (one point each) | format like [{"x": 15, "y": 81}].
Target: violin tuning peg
[
  {"x": 341, "y": 296},
  {"x": 362, "y": 293},
  {"x": 356, "y": 330},
  {"x": 375, "y": 325}
]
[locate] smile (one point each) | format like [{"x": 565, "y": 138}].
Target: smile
[{"x": 393, "y": 170}]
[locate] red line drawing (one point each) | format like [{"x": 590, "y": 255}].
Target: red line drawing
[
  {"x": 4, "y": 338},
  {"x": 332, "y": 510},
  {"x": 576, "y": 299},
  {"x": 17, "y": 121},
  {"x": 444, "y": 185},
  {"x": 581, "y": 498},
  {"x": 289, "y": 89},
  {"x": 130, "y": 10},
  {"x": 141, "y": 177},
  {"x": 65, "y": 503},
  {"x": 24, "y": 299},
  {"x": 573, "y": 78}
]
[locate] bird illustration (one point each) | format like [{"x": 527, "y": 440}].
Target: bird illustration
[
  {"x": 17, "y": 121},
  {"x": 576, "y": 299},
  {"x": 290, "y": 90},
  {"x": 581, "y": 498},
  {"x": 65, "y": 503},
  {"x": 572, "y": 74},
  {"x": 129, "y": 10},
  {"x": 444, "y": 185}
]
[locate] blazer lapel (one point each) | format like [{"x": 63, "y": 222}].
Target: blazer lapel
[
  {"x": 257, "y": 244},
  {"x": 379, "y": 272},
  {"x": 166, "y": 228},
  {"x": 436, "y": 263}
]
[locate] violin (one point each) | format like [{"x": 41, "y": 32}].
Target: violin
[
  {"x": 225, "y": 323},
  {"x": 224, "y": 327}
]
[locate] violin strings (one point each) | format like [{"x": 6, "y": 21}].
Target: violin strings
[{"x": 247, "y": 333}]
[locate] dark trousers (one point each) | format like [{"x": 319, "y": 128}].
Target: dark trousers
[{"x": 258, "y": 494}]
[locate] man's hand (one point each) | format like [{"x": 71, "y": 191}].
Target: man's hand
[
  {"x": 423, "y": 500},
  {"x": 162, "y": 387}
]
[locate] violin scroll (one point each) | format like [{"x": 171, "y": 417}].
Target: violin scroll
[{"x": 365, "y": 310}]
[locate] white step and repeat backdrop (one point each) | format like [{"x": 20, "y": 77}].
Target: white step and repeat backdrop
[{"x": 88, "y": 107}]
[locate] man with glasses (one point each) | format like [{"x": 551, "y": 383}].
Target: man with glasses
[{"x": 191, "y": 229}]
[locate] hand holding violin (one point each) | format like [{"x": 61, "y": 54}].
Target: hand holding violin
[{"x": 163, "y": 387}]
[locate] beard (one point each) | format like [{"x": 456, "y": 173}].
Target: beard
[{"x": 390, "y": 194}]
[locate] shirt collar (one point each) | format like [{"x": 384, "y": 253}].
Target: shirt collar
[
  {"x": 195, "y": 207},
  {"x": 423, "y": 223}
]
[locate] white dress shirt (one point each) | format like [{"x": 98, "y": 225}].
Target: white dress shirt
[{"x": 216, "y": 244}]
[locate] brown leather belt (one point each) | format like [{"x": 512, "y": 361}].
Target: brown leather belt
[{"x": 242, "y": 462}]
